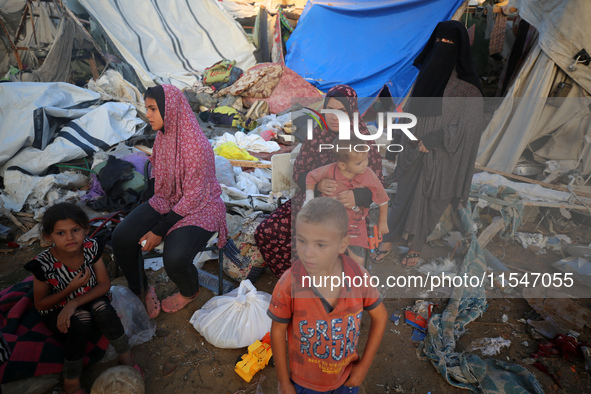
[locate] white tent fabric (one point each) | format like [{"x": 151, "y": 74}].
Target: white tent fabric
[
  {"x": 168, "y": 41},
  {"x": 23, "y": 113},
  {"x": 527, "y": 113},
  {"x": 47, "y": 123}
]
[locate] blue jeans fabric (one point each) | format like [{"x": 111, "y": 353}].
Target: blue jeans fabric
[{"x": 341, "y": 390}]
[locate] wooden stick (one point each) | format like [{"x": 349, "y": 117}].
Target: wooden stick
[
  {"x": 493, "y": 229},
  {"x": 6, "y": 250},
  {"x": 524, "y": 179},
  {"x": 93, "y": 69},
  {"x": 555, "y": 205},
  {"x": 250, "y": 164},
  {"x": 13, "y": 219},
  {"x": 24, "y": 214}
]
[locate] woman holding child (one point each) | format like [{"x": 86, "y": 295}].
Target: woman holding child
[
  {"x": 273, "y": 236},
  {"x": 186, "y": 207}
]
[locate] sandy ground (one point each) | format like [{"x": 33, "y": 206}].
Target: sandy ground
[{"x": 180, "y": 360}]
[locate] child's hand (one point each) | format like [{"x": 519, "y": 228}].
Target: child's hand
[
  {"x": 63, "y": 319},
  {"x": 356, "y": 376},
  {"x": 328, "y": 187},
  {"x": 286, "y": 388},
  {"x": 383, "y": 228},
  {"x": 80, "y": 280}
]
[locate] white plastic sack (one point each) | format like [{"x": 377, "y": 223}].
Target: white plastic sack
[{"x": 236, "y": 319}]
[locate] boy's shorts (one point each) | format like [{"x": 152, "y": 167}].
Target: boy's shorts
[
  {"x": 341, "y": 390},
  {"x": 358, "y": 250}
]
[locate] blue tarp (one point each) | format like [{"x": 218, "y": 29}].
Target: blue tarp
[{"x": 364, "y": 44}]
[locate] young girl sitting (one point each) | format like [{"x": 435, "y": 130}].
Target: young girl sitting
[{"x": 71, "y": 290}]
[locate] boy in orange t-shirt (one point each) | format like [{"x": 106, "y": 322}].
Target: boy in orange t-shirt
[{"x": 323, "y": 320}]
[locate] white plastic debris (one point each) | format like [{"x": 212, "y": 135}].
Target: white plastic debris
[
  {"x": 440, "y": 266},
  {"x": 527, "y": 239},
  {"x": 253, "y": 143},
  {"x": 490, "y": 346}
]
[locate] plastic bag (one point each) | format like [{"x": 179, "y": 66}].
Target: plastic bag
[
  {"x": 236, "y": 319},
  {"x": 224, "y": 171},
  {"x": 231, "y": 151},
  {"x": 139, "y": 328}
]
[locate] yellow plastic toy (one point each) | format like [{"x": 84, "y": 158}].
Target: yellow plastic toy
[{"x": 258, "y": 357}]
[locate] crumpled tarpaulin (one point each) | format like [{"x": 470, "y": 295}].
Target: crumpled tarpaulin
[
  {"x": 467, "y": 370},
  {"x": 504, "y": 199}
]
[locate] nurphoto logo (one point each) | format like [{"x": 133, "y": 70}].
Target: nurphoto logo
[{"x": 345, "y": 129}]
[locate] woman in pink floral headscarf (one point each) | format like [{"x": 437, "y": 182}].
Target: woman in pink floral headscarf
[
  {"x": 274, "y": 235},
  {"x": 186, "y": 207}
]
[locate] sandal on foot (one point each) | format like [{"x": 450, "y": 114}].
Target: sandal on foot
[
  {"x": 380, "y": 253},
  {"x": 137, "y": 367},
  {"x": 176, "y": 302},
  {"x": 410, "y": 256},
  {"x": 152, "y": 303}
]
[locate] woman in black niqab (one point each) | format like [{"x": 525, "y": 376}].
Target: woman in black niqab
[{"x": 447, "y": 100}]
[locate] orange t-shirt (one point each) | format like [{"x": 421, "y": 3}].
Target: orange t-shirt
[
  {"x": 357, "y": 227},
  {"x": 322, "y": 344}
]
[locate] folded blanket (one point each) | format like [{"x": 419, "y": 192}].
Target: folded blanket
[{"x": 35, "y": 349}]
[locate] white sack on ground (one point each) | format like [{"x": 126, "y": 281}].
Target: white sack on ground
[
  {"x": 97, "y": 130},
  {"x": 167, "y": 41}
]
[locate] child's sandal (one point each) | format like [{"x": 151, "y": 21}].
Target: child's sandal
[
  {"x": 152, "y": 303},
  {"x": 137, "y": 367},
  {"x": 176, "y": 302}
]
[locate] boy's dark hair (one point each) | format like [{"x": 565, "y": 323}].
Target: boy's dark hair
[
  {"x": 324, "y": 210},
  {"x": 343, "y": 150},
  {"x": 63, "y": 211}
]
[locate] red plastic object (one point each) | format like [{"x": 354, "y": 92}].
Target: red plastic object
[
  {"x": 13, "y": 245},
  {"x": 416, "y": 320}
]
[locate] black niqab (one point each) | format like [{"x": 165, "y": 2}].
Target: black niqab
[{"x": 436, "y": 63}]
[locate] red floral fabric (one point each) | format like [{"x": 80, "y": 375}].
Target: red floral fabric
[{"x": 184, "y": 170}]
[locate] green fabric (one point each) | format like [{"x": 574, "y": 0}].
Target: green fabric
[
  {"x": 466, "y": 370},
  {"x": 219, "y": 72}
]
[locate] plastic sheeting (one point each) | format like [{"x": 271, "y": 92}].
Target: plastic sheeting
[
  {"x": 364, "y": 44},
  {"x": 48, "y": 123},
  {"x": 25, "y": 112},
  {"x": 168, "y": 41}
]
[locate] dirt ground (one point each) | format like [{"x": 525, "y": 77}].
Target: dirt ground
[{"x": 180, "y": 360}]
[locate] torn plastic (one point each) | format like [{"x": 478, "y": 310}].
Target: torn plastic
[
  {"x": 490, "y": 346},
  {"x": 39, "y": 191}
]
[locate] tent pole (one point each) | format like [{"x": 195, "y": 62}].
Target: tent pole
[
  {"x": 460, "y": 11},
  {"x": 14, "y": 48}
]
